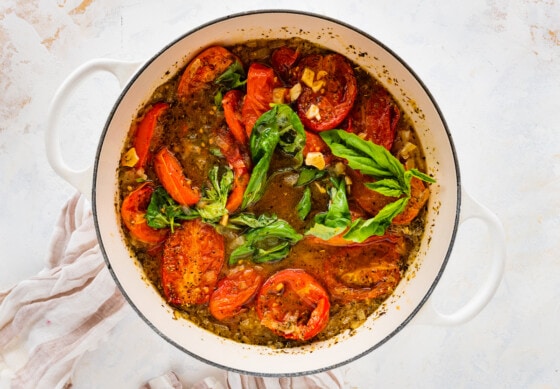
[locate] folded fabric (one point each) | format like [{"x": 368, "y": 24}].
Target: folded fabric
[{"x": 50, "y": 320}]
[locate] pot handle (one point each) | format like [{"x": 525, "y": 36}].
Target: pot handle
[
  {"x": 80, "y": 179},
  {"x": 470, "y": 209}
]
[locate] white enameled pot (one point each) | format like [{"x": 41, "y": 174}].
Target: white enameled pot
[{"x": 448, "y": 206}]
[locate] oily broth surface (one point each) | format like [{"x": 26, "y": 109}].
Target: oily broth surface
[{"x": 186, "y": 130}]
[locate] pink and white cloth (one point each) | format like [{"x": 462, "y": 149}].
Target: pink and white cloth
[{"x": 49, "y": 321}]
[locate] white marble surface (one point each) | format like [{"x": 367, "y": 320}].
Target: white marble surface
[{"x": 492, "y": 65}]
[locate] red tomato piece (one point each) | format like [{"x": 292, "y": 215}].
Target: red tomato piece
[
  {"x": 192, "y": 259},
  {"x": 334, "y": 99},
  {"x": 376, "y": 116},
  {"x": 237, "y": 156},
  {"x": 234, "y": 291},
  {"x": 231, "y": 102},
  {"x": 145, "y": 133},
  {"x": 364, "y": 272},
  {"x": 283, "y": 60},
  {"x": 293, "y": 305},
  {"x": 203, "y": 69},
  {"x": 261, "y": 82},
  {"x": 170, "y": 173},
  {"x": 133, "y": 213}
]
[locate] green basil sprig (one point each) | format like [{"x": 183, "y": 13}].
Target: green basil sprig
[
  {"x": 266, "y": 239},
  {"x": 163, "y": 211},
  {"x": 233, "y": 77},
  {"x": 337, "y": 217},
  {"x": 392, "y": 180},
  {"x": 212, "y": 206}
]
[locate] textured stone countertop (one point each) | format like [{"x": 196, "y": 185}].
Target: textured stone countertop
[{"x": 493, "y": 66}]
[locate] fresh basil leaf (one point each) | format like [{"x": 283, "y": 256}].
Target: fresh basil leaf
[
  {"x": 272, "y": 254},
  {"x": 361, "y": 155},
  {"x": 269, "y": 242},
  {"x": 323, "y": 231},
  {"x": 304, "y": 205},
  {"x": 361, "y": 229},
  {"x": 391, "y": 179},
  {"x": 250, "y": 220},
  {"x": 162, "y": 211},
  {"x": 422, "y": 176},
  {"x": 387, "y": 187},
  {"x": 212, "y": 205},
  {"x": 337, "y": 218},
  {"x": 262, "y": 149},
  {"x": 292, "y": 132},
  {"x": 278, "y": 127},
  {"x": 232, "y": 78},
  {"x": 309, "y": 174}
]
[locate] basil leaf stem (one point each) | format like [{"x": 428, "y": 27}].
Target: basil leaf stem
[{"x": 304, "y": 205}]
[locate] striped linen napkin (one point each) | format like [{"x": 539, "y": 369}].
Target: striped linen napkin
[{"x": 49, "y": 321}]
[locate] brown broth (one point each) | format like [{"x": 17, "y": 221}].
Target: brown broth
[{"x": 186, "y": 130}]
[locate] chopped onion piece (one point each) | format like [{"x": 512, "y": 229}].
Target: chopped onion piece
[
  {"x": 130, "y": 158},
  {"x": 321, "y": 74},
  {"x": 307, "y": 77},
  {"x": 313, "y": 112},
  {"x": 278, "y": 95},
  {"x": 317, "y": 85},
  {"x": 407, "y": 150},
  {"x": 339, "y": 168},
  {"x": 316, "y": 159},
  {"x": 295, "y": 91}
]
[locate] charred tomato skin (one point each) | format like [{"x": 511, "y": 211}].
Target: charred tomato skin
[
  {"x": 234, "y": 291},
  {"x": 192, "y": 259},
  {"x": 334, "y": 99},
  {"x": 133, "y": 213},
  {"x": 293, "y": 304}
]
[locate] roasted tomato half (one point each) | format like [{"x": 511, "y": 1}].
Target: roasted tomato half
[
  {"x": 193, "y": 257},
  {"x": 293, "y": 305},
  {"x": 261, "y": 82},
  {"x": 170, "y": 173},
  {"x": 329, "y": 90},
  {"x": 375, "y": 117},
  {"x": 203, "y": 69},
  {"x": 234, "y": 291},
  {"x": 366, "y": 271},
  {"x": 232, "y": 102},
  {"x": 283, "y": 60},
  {"x": 133, "y": 212}
]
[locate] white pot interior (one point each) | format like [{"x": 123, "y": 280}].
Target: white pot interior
[{"x": 442, "y": 215}]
